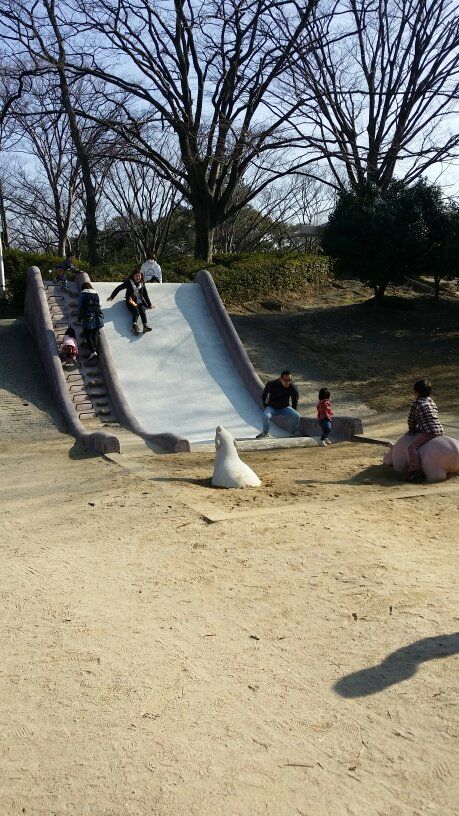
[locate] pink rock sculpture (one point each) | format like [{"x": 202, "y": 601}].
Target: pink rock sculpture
[{"x": 438, "y": 457}]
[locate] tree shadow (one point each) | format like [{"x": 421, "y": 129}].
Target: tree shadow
[
  {"x": 357, "y": 342},
  {"x": 397, "y": 666},
  {"x": 22, "y": 373}
]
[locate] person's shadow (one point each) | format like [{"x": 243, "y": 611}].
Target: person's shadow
[{"x": 398, "y": 666}]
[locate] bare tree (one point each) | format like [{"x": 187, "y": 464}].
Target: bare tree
[
  {"x": 203, "y": 74},
  {"x": 15, "y": 80},
  {"x": 37, "y": 30},
  {"x": 4, "y": 230},
  {"x": 44, "y": 205},
  {"x": 378, "y": 82},
  {"x": 144, "y": 203},
  {"x": 48, "y": 191},
  {"x": 263, "y": 225}
]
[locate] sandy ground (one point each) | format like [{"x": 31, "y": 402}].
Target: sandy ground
[{"x": 298, "y": 657}]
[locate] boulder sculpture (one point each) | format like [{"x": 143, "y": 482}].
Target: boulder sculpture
[
  {"x": 438, "y": 457},
  {"x": 229, "y": 471}
]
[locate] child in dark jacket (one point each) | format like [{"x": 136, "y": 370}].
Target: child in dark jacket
[
  {"x": 324, "y": 416},
  {"x": 91, "y": 316}
]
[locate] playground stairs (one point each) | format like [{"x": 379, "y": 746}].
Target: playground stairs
[{"x": 85, "y": 382}]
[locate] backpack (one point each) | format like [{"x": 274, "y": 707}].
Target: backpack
[{"x": 93, "y": 316}]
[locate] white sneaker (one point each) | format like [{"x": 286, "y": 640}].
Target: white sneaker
[
  {"x": 263, "y": 435},
  {"x": 322, "y": 443},
  {"x": 327, "y": 442}
]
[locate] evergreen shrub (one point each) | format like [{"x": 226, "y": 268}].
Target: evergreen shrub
[
  {"x": 239, "y": 278},
  {"x": 16, "y": 263}
]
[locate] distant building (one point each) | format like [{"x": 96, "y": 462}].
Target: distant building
[{"x": 310, "y": 230}]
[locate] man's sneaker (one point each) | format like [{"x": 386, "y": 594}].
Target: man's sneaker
[
  {"x": 263, "y": 435},
  {"x": 327, "y": 441},
  {"x": 135, "y": 329},
  {"x": 146, "y": 329},
  {"x": 322, "y": 443}
]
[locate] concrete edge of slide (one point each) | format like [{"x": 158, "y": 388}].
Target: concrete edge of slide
[
  {"x": 170, "y": 442},
  {"x": 343, "y": 427},
  {"x": 38, "y": 319}
]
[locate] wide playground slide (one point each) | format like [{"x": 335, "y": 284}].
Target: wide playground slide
[
  {"x": 179, "y": 376},
  {"x": 175, "y": 384}
]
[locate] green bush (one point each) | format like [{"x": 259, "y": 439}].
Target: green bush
[
  {"x": 251, "y": 277},
  {"x": 383, "y": 236},
  {"x": 239, "y": 278},
  {"x": 16, "y": 264}
]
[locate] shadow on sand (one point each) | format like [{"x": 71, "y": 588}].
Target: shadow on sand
[
  {"x": 382, "y": 475},
  {"x": 398, "y": 666}
]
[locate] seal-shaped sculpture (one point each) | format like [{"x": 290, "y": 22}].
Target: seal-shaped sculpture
[
  {"x": 438, "y": 457},
  {"x": 229, "y": 471}
]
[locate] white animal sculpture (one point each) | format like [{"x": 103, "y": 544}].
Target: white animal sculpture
[{"x": 229, "y": 471}]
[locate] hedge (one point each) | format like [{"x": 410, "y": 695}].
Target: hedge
[
  {"x": 239, "y": 278},
  {"x": 16, "y": 263}
]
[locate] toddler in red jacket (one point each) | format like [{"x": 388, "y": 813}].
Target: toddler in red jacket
[
  {"x": 324, "y": 416},
  {"x": 70, "y": 347}
]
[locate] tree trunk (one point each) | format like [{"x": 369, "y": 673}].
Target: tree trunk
[
  {"x": 379, "y": 289},
  {"x": 204, "y": 239},
  {"x": 62, "y": 246},
  {"x": 437, "y": 280},
  {"x": 90, "y": 193},
  {"x": 3, "y": 221},
  {"x": 80, "y": 149}
]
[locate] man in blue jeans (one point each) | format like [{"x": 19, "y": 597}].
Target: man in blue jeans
[{"x": 276, "y": 399}]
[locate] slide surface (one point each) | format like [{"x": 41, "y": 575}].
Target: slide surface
[{"x": 179, "y": 378}]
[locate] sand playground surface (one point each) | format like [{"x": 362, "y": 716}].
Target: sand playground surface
[{"x": 175, "y": 650}]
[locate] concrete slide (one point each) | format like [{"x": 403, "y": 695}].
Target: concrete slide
[
  {"x": 174, "y": 385},
  {"x": 191, "y": 372},
  {"x": 179, "y": 377}
]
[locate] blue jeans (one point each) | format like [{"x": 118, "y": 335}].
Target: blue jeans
[
  {"x": 325, "y": 424},
  {"x": 270, "y": 412}
]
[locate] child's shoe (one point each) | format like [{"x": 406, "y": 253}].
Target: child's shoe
[
  {"x": 327, "y": 441},
  {"x": 135, "y": 329},
  {"x": 415, "y": 477},
  {"x": 146, "y": 329},
  {"x": 322, "y": 443}
]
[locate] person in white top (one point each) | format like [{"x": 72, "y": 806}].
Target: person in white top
[{"x": 151, "y": 269}]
